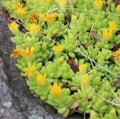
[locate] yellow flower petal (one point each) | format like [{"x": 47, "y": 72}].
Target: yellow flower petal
[
  {"x": 41, "y": 79},
  {"x": 34, "y": 29},
  {"x": 34, "y": 18},
  {"x": 98, "y": 4},
  {"x": 42, "y": 17},
  {"x": 85, "y": 83},
  {"x": 112, "y": 26},
  {"x": 13, "y": 27},
  {"x": 82, "y": 68},
  {"x": 57, "y": 49},
  {"x": 85, "y": 79},
  {"x": 21, "y": 11},
  {"x": 50, "y": 17},
  {"x": 116, "y": 54},
  {"x": 30, "y": 71},
  {"x": 73, "y": 18},
  {"x": 107, "y": 34},
  {"x": 17, "y": 52},
  {"x": 62, "y": 2},
  {"x": 28, "y": 52},
  {"x": 17, "y": 5},
  {"x": 55, "y": 90}
]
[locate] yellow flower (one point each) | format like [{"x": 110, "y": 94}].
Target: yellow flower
[
  {"x": 55, "y": 90},
  {"x": 112, "y": 26},
  {"x": 42, "y": 17},
  {"x": 45, "y": 1},
  {"x": 48, "y": 1},
  {"x": 98, "y": 4},
  {"x": 41, "y": 79},
  {"x": 34, "y": 29},
  {"x": 85, "y": 79},
  {"x": 82, "y": 68},
  {"x": 85, "y": 83},
  {"x": 17, "y": 52},
  {"x": 57, "y": 49},
  {"x": 62, "y": 2},
  {"x": 28, "y": 52},
  {"x": 50, "y": 17},
  {"x": 30, "y": 71},
  {"x": 17, "y": 5},
  {"x": 107, "y": 34},
  {"x": 118, "y": 8},
  {"x": 73, "y": 18},
  {"x": 13, "y": 27},
  {"x": 34, "y": 18},
  {"x": 116, "y": 55},
  {"x": 113, "y": 113},
  {"x": 21, "y": 12}
]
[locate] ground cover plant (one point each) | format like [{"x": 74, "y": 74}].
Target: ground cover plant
[{"x": 69, "y": 53}]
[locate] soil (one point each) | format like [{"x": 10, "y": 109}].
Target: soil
[{"x": 16, "y": 101}]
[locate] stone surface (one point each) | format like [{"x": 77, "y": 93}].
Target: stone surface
[
  {"x": 16, "y": 101},
  {"x": 7, "y": 108}
]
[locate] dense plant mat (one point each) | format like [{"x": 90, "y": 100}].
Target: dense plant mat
[{"x": 69, "y": 53}]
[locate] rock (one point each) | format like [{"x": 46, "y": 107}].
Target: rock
[
  {"x": 7, "y": 104},
  {"x": 7, "y": 109},
  {"x": 35, "y": 117}
]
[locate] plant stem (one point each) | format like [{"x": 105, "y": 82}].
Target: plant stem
[{"x": 71, "y": 5}]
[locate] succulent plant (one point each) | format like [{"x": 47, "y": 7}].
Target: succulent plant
[{"x": 69, "y": 53}]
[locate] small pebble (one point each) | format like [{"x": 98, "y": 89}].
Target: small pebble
[
  {"x": 7, "y": 104},
  {"x": 35, "y": 117},
  {"x": 2, "y": 111}
]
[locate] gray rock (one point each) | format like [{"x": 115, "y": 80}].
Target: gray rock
[
  {"x": 7, "y": 109},
  {"x": 7, "y": 104},
  {"x": 35, "y": 117}
]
